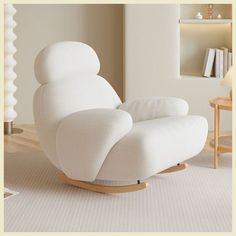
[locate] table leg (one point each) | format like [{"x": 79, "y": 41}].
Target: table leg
[{"x": 216, "y": 135}]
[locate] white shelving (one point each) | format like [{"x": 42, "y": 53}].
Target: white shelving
[
  {"x": 196, "y": 35},
  {"x": 198, "y": 77},
  {"x": 205, "y": 21}
]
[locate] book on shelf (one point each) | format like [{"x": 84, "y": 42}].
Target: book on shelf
[
  {"x": 217, "y": 62},
  {"x": 225, "y": 60},
  {"x": 230, "y": 62},
  {"x": 221, "y": 64},
  {"x": 208, "y": 62}
]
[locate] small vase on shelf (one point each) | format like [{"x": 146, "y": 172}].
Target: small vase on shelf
[{"x": 198, "y": 16}]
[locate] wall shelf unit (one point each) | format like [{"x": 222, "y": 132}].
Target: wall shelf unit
[
  {"x": 196, "y": 35},
  {"x": 192, "y": 77},
  {"x": 205, "y": 21}
]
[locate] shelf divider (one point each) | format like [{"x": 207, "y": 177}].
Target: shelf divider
[{"x": 205, "y": 21}]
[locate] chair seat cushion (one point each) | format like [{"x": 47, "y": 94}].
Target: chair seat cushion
[{"x": 153, "y": 146}]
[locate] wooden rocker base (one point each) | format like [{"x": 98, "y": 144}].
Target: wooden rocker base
[
  {"x": 116, "y": 189},
  {"x": 175, "y": 168},
  {"x": 103, "y": 188}
]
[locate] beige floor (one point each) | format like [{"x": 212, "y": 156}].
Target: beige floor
[
  {"x": 196, "y": 199},
  {"x": 27, "y": 141}
]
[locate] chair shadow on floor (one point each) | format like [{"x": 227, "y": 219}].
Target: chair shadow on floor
[{"x": 33, "y": 171}]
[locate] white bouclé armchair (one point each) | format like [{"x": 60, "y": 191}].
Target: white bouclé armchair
[{"x": 88, "y": 134}]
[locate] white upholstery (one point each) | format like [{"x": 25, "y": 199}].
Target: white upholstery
[
  {"x": 85, "y": 138},
  {"x": 84, "y": 134},
  {"x": 63, "y": 59},
  {"x": 155, "y": 145},
  {"x": 155, "y": 107},
  {"x": 55, "y": 101}
]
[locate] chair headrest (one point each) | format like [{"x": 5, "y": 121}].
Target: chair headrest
[{"x": 64, "y": 59}]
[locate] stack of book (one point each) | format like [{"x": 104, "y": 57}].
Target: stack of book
[{"x": 217, "y": 62}]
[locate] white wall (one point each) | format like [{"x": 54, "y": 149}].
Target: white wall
[
  {"x": 100, "y": 26},
  {"x": 151, "y": 49},
  {"x": 152, "y": 61}
]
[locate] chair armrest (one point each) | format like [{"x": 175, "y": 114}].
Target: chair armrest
[
  {"x": 155, "y": 107},
  {"x": 84, "y": 139}
]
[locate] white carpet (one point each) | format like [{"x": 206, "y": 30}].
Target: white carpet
[{"x": 196, "y": 199}]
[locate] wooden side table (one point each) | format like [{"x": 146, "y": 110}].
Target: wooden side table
[{"x": 221, "y": 144}]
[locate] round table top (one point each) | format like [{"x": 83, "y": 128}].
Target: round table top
[{"x": 224, "y": 103}]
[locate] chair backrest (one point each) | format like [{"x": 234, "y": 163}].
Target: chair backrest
[{"x": 67, "y": 72}]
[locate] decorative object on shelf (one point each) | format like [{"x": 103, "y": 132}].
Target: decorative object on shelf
[
  {"x": 210, "y": 11},
  {"x": 198, "y": 16},
  {"x": 219, "y": 16},
  {"x": 9, "y": 64},
  {"x": 227, "y": 81}
]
